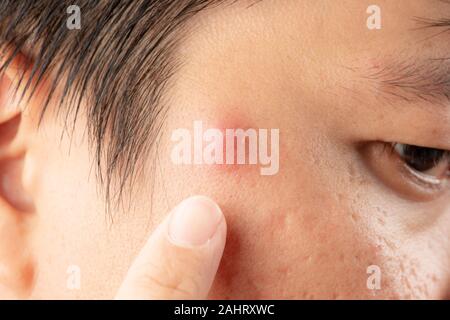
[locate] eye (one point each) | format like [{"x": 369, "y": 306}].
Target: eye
[
  {"x": 416, "y": 172},
  {"x": 429, "y": 163}
]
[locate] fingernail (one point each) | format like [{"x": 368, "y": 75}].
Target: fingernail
[{"x": 194, "y": 221}]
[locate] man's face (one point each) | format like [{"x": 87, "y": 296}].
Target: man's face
[{"x": 339, "y": 210}]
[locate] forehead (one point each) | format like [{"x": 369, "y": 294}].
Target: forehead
[
  {"x": 276, "y": 55},
  {"x": 314, "y": 37},
  {"x": 342, "y": 23}
]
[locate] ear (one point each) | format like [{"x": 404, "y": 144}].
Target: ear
[{"x": 16, "y": 204}]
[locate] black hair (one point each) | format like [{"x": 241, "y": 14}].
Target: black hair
[{"x": 120, "y": 61}]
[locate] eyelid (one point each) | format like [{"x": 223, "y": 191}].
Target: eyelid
[{"x": 433, "y": 181}]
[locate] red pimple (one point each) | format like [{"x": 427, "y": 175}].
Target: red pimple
[{"x": 233, "y": 121}]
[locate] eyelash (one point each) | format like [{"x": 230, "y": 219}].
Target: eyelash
[
  {"x": 440, "y": 159},
  {"x": 422, "y": 177},
  {"x": 394, "y": 164}
]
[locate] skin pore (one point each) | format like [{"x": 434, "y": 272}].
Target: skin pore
[{"x": 340, "y": 201}]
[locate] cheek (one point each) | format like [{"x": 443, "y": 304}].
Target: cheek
[
  {"x": 293, "y": 241},
  {"x": 308, "y": 231},
  {"x": 287, "y": 237},
  {"x": 321, "y": 250},
  {"x": 301, "y": 252}
]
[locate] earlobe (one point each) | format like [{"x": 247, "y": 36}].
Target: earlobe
[{"x": 17, "y": 267}]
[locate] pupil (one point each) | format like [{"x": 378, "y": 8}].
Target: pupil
[{"x": 421, "y": 158}]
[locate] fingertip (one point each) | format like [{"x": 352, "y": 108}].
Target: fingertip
[
  {"x": 182, "y": 256},
  {"x": 195, "y": 221}
]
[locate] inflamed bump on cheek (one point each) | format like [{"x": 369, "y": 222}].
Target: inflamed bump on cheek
[{"x": 227, "y": 145}]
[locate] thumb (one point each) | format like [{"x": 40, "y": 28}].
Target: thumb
[{"x": 181, "y": 258}]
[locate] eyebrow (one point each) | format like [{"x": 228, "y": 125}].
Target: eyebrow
[{"x": 413, "y": 80}]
